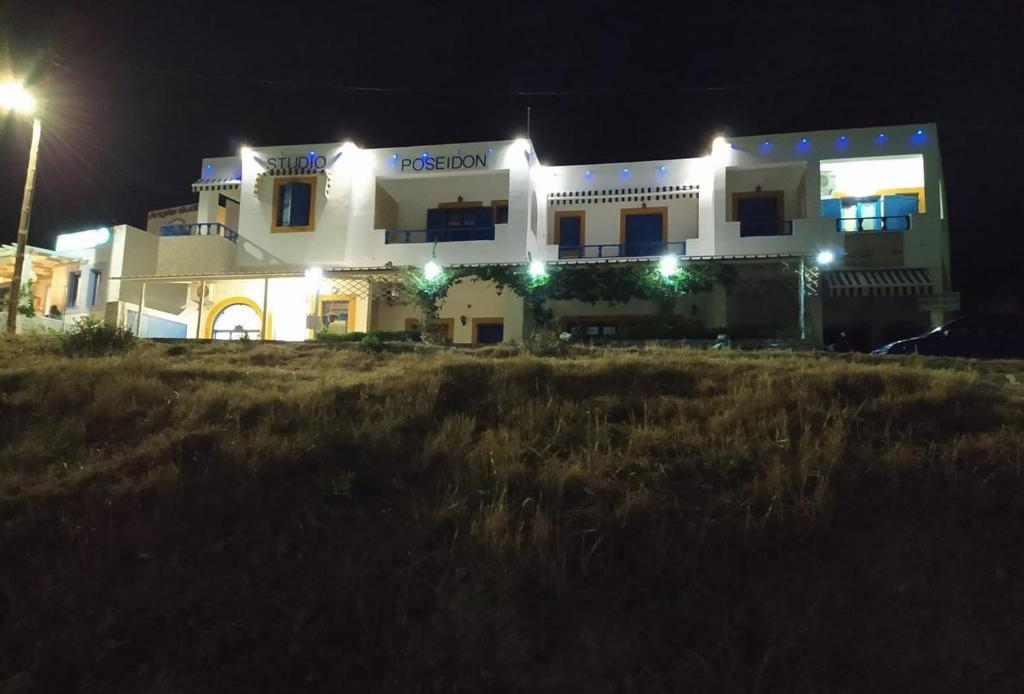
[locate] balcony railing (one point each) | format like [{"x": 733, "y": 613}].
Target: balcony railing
[
  {"x": 783, "y": 228},
  {"x": 200, "y": 229},
  {"x": 623, "y": 250},
  {"x": 897, "y": 222},
  {"x": 484, "y": 233}
]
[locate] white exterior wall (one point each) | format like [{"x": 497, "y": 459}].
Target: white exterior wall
[
  {"x": 345, "y": 232},
  {"x": 603, "y": 220}
]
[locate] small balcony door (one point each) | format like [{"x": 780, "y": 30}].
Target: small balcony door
[
  {"x": 569, "y": 234},
  {"x": 759, "y": 214},
  {"x": 643, "y": 231}
]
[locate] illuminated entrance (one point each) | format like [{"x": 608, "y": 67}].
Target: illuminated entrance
[{"x": 235, "y": 322}]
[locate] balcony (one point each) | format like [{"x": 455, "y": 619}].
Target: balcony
[
  {"x": 783, "y": 228},
  {"x": 623, "y": 250},
  {"x": 200, "y": 229},
  {"x": 448, "y": 235},
  {"x": 898, "y": 222}
]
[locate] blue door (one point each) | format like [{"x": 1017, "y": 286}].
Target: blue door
[
  {"x": 489, "y": 333},
  {"x": 644, "y": 234},
  {"x": 759, "y": 216},
  {"x": 570, "y": 237}
]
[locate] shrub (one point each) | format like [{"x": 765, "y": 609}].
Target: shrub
[
  {"x": 378, "y": 335},
  {"x": 92, "y": 338},
  {"x": 371, "y": 342}
]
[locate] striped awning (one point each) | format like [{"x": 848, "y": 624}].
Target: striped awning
[
  {"x": 216, "y": 184},
  {"x": 271, "y": 173},
  {"x": 895, "y": 282}
]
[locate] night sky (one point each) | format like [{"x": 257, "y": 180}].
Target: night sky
[{"x": 136, "y": 94}]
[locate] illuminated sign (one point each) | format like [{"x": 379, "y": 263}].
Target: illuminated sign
[
  {"x": 83, "y": 240},
  {"x": 304, "y": 161},
  {"x": 453, "y": 162}
]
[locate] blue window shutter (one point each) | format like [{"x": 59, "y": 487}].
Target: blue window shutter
[
  {"x": 484, "y": 217},
  {"x": 94, "y": 285},
  {"x": 300, "y": 212},
  {"x": 832, "y": 207},
  {"x": 72, "y": 299}
]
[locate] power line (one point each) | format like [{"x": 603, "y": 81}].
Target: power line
[{"x": 440, "y": 91}]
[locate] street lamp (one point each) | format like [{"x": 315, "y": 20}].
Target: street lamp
[{"x": 14, "y": 97}]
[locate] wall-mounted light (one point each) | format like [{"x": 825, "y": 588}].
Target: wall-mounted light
[
  {"x": 82, "y": 240},
  {"x": 537, "y": 269},
  {"x": 313, "y": 276},
  {"x": 880, "y": 138},
  {"x": 668, "y": 265},
  {"x": 824, "y": 257},
  {"x": 720, "y": 149},
  {"x": 432, "y": 270}
]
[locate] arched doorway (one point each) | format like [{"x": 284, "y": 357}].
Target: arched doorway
[{"x": 236, "y": 321}]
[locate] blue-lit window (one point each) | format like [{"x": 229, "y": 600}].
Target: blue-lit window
[
  {"x": 294, "y": 204},
  {"x": 94, "y": 286},
  {"x": 73, "y": 279}
]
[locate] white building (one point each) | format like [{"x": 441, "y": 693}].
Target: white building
[{"x": 248, "y": 259}]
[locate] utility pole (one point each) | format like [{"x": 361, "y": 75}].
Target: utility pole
[{"x": 14, "y": 300}]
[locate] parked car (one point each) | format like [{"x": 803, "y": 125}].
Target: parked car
[{"x": 994, "y": 336}]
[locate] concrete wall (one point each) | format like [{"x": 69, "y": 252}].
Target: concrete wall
[{"x": 194, "y": 255}]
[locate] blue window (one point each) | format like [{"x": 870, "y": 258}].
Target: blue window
[
  {"x": 898, "y": 209},
  {"x": 569, "y": 234},
  {"x": 644, "y": 233},
  {"x": 489, "y": 331},
  {"x": 832, "y": 207},
  {"x": 294, "y": 205},
  {"x": 94, "y": 286},
  {"x": 73, "y": 280}
]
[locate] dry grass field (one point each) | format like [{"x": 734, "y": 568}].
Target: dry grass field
[{"x": 276, "y": 518}]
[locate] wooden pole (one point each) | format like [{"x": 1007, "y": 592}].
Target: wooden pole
[
  {"x": 263, "y": 316},
  {"x": 199, "y": 313},
  {"x": 26, "y": 212}
]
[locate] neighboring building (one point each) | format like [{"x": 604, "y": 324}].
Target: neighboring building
[{"x": 271, "y": 219}]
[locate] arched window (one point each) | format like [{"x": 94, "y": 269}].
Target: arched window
[{"x": 235, "y": 321}]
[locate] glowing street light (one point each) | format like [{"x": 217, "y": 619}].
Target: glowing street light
[
  {"x": 431, "y": 271},
  {"x": 668, "y": 265},
  {"x": 537, "y": 269},
  {"x": 14, "y": 97}
]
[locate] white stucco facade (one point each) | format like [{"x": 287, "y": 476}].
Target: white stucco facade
[{"x": 371, "y": 211}]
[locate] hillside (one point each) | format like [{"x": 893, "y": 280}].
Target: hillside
[{"x": 271, "y": 518}]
